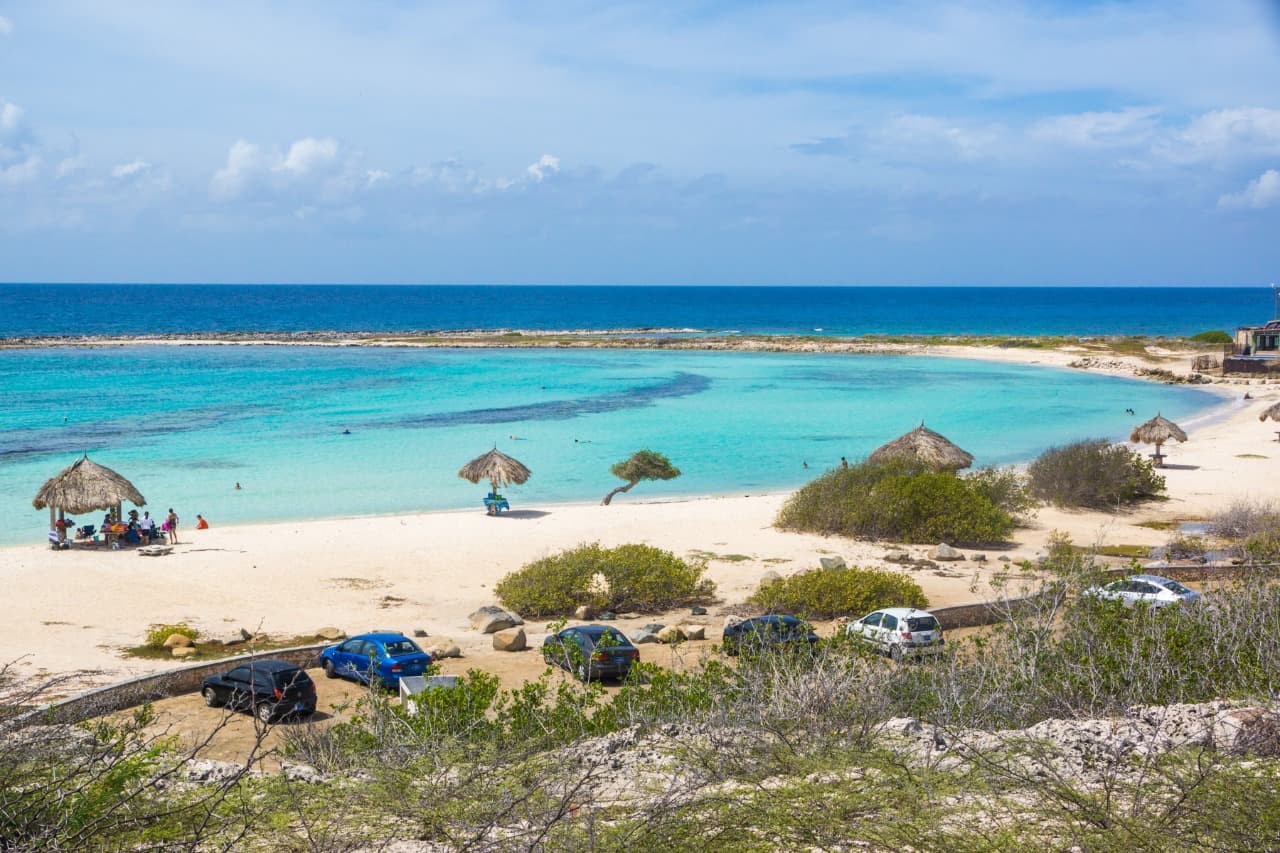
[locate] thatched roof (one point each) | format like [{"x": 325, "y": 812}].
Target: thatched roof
[
  {"x": 1273, "y": 413},
  {"x": 925, "y": 446},
  {"x": 86, "y": 486},
  {"x": 1158, "y": 430},
  {"x": 496, "y": 467}
]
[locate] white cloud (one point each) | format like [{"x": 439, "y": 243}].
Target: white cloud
[
  {"x": 1223, "y": 134},
  {"x": 376, "y": 176},
  {"x": 21, "y": 172},
  {"x": 128, "y": 170},
  {"x": 11, "y": 123},
  {"x": 244, "y": 160},
  {"x": 6, "y": 26},
  {"x": 547, "y": 165},
  {"x": 1262, "y": 191},
  {"x": 1123, "y": 128},
  {"x": 309, "y": 155}
]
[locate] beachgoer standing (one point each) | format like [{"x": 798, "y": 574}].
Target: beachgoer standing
[
  {"x": 172, "y": 521},
  {"x": 201, "y": 524},
  {"x": 844, "y": 463},
  {"x": 148, "y": 527}
]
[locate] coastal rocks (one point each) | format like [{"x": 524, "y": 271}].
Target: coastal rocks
[
  {"x": 643, "y": 636},
  {"x": 1253, "y": 730},
  {"x": 698, "y": 611},
  {"x": 832, "y": 562},
  {"x": 420, "y": 632},
  {"x": 585, "y": 613},
  {"x": 510, "y": 640},
  {"x": 979, "y": 558},
  {"x": 491, "y": 618},
  {"x": 330, "y": 633},
  {"x": 653, "y": 627},
  {"x": 945, "y": 552},
  {"x": 183, "y": 651},
  {"x": 769, "y": 577},
  {"x": 694, "y": 632},
  {"x": 177, "y": 640},
  {"x": 233, "y": 639},
  {"x": 671, "y": 634},
  {"x": 897, "y": 557},
  {"x": 443, "y": 647}
]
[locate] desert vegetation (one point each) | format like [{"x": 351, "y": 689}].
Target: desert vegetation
[
  {"x": 637, "y": 578},
  {"x": 828, "y": 593},
  {"x": 1094, "y": 474},
  {"x": 996, "y": 745},
  {"x": 901, "y": 502}
]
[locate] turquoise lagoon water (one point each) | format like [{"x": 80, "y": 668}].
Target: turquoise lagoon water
[{"x": 185, "y": 424}]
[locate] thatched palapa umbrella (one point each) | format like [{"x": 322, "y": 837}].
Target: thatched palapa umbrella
[
  {"x": 1157, "y": 431},
  {"x": 926, "y": 447},
  {"x": 496, "y": 467},
  {"x": 84, "y": 487}
]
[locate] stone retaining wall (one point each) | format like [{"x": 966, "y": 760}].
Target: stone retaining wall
[
  {"x": 979, "y": 613},
  {"x": 148, "y": 688}
]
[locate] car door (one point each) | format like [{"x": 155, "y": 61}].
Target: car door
[
  {"x": 346, "y": 658},
  {"x": 869, "y": 627},
  {"x": 238, "y": 688},
  {"x": 888, "y": 627},
  {"x": 1146, "y": 592}
]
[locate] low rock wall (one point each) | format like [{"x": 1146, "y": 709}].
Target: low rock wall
[
  {"x": 148, "y": 688},
  {"x": 980, "y": 613}
]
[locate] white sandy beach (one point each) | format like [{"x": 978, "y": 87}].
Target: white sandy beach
[{"x": 74, "y": 611}]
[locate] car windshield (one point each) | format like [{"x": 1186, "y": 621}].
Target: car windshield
[
  {"x": 922, "y": 623},
  {"x": 395, "y": 648},
  {"x": 1174, "y": 586}
]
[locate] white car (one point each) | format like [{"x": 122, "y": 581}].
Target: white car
[
  {"x": 1151, "y": 590},
  {"x": 900, "y": 632}
]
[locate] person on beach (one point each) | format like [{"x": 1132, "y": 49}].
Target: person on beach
[
  {"x": 201, "y": 524},
  {"x": 147, "y": 526},
  {"x": 844, "y": 463},
  {"x": 172, "y": 521}
]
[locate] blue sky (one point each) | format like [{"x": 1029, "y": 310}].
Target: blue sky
[{"x": 713, "y": 142}]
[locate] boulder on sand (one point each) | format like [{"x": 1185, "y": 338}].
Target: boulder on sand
[
  {"x": 943, "y": 551},
  {"x": 491, "y": 618},
  {"x": 510, "y": 640}
]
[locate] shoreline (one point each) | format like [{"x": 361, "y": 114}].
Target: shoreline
[{"x": 431, "y": 569}]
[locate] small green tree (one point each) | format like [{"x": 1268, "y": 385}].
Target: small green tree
[{"x": 642, "y": 465}]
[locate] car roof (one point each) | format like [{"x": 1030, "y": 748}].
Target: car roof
[
  {"x": 902, "y": 612},
  {"x": 270, "y": 665},
  {"x": 380, "y": 636},
  {"x": 1153, "y": 578},
  {"x": 784, "y": 618},
  {"x": 595, "y": 632}
]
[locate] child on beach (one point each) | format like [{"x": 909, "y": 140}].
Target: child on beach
[{"x": 201, "y": 524}]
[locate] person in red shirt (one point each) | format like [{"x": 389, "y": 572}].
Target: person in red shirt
[{"x": 201, "y": 524}]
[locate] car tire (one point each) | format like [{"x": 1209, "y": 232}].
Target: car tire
[
  {"x": 264, "y": 712},
  {"x": 895, "y": 652},
  {"x": 329, "y": 670},
  {"x": 211, "y": 697}
]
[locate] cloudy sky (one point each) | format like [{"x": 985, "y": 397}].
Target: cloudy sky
[{"x": 715, "y": 142}]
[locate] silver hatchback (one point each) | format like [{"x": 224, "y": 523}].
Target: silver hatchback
[
  {"x": 1152, "y": 590},
  {"x": 900, "y": 632}
]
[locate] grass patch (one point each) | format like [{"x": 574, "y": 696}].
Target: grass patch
[
  {"x": 1159, "y": 525},
  {"x": 355, "y": 583},
  {"x": 208, "y": 652},
  {"x": 1139, "y": 552},
  {"x": 1251, "y": 456}
]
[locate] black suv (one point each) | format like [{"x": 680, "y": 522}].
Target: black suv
[{"x": 270, "y": 689}]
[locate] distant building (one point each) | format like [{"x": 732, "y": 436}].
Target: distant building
[{"x": 1261, "y": 340}]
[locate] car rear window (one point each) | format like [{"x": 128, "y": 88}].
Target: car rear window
[
  {"x": 395, "y": 648},
  {"x": 922, "y": 623},
  {"x": 1174, "y": 586},
  {"x": 287, "y": 677}
]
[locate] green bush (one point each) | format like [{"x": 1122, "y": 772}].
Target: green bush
[
  {"x": 637, "y": 577},
  {"x": 828, "y": 593},
  {"x": 157, "y": 634},
  {"x": 1213, "y": 336},
  {"x": 899, "y": 502},
  {"x": 1006, "y": 488},
  {"x": 1094, "y": 474}
]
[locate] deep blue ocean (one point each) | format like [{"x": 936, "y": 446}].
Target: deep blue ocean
[
  {"x": 126, "y": 310},
  {"x": 314, "y": 432}
]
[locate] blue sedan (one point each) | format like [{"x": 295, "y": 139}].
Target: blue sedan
[{"x": 384, "y": 657}]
